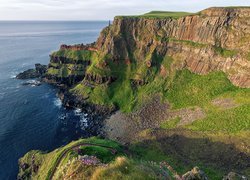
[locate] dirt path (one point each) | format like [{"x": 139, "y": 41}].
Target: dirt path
[{"x": 64, "y": 153}]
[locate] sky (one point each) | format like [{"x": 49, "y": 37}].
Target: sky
[{"x": 99, "y": 9}]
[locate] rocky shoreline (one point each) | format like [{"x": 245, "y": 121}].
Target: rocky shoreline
[{"x": 96, "y": 114}]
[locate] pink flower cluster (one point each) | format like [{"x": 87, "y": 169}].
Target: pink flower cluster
[{"x": 89, "y": 160}]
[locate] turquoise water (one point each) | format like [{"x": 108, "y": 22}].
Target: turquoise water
[{"x": 32, "y": 117}]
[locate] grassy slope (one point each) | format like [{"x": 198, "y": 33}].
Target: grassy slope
[
  {"x": 47, "y": 161},
  {"x": 185, "y": 89},
  {"x": 117, "y": 165}
]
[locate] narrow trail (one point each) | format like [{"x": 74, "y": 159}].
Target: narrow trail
[{"x": 64, "y": 153}]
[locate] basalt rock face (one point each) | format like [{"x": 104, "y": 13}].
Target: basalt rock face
[
  {"x": 138, "y": 49},
  {"x": 38, "y": 72},
  {"x": 66, "y": 71},
  {"x": 216, "y": 39}
]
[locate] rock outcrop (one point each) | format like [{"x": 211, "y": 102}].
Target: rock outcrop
[
  {"x": 38, "y": 72},
  {"x": 216, "y": 39},
  {"x": 195, "y": 174}
]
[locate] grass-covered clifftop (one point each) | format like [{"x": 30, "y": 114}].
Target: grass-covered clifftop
[{"x": 160, "y": 15}]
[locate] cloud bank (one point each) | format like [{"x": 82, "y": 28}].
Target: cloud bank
[{"x": 99, "y": 9}]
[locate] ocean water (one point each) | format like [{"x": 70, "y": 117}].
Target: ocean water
[{"x": 33, "y": 117}]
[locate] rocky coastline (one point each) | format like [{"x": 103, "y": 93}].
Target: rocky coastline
[{"x": 96, "y": 114}]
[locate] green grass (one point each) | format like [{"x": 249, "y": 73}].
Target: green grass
[
  {"x": 189, "y": 89},
  {"x": 160, "y": 15},
  {"x": 153, "y": 151},
  {"x": 124, "y": 168},
  {"x": 225, "y": 52},
  {"x": 65, "y": 70},
  {"x": 48, "y": 161},
  {"x": 75, "y": 55},
  {"x": 230, "y": 120},
  {"x": 170, "y": 124},
  {"x": 117, "y": 166},
  {"x": 188, "y": 42},
  {"x": 164, "y": 14},
  {"x": 248, "y": 56},
  {"x": 104, "y": 154}
]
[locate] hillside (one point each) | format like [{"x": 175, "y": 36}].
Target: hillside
[{"x": 175, "y": 87}]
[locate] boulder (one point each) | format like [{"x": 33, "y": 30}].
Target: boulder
[{"x": 195, "y": 174}]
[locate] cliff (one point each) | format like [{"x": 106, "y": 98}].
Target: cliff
[
  {"x": 139, "y": 50},
  {"x": 216, "y": 39}
]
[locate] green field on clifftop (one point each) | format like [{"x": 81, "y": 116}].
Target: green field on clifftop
[{"x": 161, "y": 14}]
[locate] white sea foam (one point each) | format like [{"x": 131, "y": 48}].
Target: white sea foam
[
  {"x": 78, "y": 112},
  {"x": 83, "y": 118},
  {"x": 58, "y": 102},
  {"x": 83, "y": 121},
  {"x": 63, "y": 116},
  {"x": 13, "y": 74}
]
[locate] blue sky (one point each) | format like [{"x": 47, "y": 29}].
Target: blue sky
[{"x": 99, "y": 9}]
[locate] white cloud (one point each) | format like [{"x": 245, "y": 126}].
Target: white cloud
[{"x": 99, "y": 9}]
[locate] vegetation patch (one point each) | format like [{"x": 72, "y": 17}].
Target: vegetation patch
[
  {"x": 248, "y": 56},
  {"x": 225, "y": 52},
  {"x": 188, "y": 42},
  {"x": 229, "y": 120},
  {"x": 170, "y": 124},
  {"x": 76, "y": 55},
  {"x": 104, "y": 154},
  {"x": 160, "y": 15}
]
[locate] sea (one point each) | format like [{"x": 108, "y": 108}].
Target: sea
[{"x": 32, "y": 117}]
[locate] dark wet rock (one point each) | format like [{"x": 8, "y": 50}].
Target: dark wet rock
[
  {"x": 24, "y": 166},
  {"x": 235, "y": 176},
  {"x": 41, "y": 69},
  {"x": 38, "y": 72},
  {"x": 28, "y": 74},
  {"x": 195, "y": 174},
  {"x": 95, "y": 114}
]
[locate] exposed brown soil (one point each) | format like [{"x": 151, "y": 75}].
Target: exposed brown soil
[
  {"x": 225, "y": 103},
  {"x": 187, "y": 115}
]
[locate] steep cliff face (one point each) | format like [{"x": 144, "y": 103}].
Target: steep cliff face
[
  {"x": 216, "y": 39},
  {"x": 68, "y": 65},
  {"x": 144, "y": 55}
]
